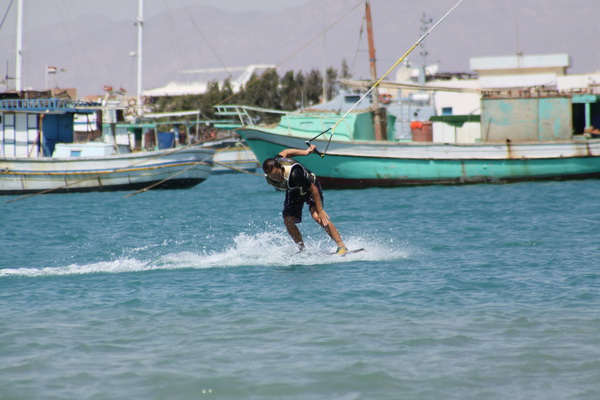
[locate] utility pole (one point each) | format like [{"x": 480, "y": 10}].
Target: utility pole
[{"x": 424, "y": 53}]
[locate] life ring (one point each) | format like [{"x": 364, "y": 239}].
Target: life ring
[
  {"x": 132, "y": 102},
  {"x": 385, "y": 98}
]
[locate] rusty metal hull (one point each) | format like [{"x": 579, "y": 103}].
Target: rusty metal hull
[
  {"x": 169, "y": 169},
  {"x": 358, "y": 164}
]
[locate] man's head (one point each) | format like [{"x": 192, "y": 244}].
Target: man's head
[{"x": 273, "y": 169}]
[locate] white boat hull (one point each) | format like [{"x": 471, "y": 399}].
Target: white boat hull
[
  {"x": 231, "y": 155},
  {"x": 169, "y": 169},
  {"x": 234, "y": 160}
]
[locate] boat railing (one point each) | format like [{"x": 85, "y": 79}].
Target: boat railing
[
  {"x": 43, "y": 105},
  {"x": 524, "y": 93},
  {"x": 244, "y": 114}
]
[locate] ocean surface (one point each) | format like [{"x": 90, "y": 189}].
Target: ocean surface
[{"x": 463, "y": 292}]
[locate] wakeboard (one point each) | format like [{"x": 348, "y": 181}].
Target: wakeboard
[{"x": 349, "y": 252}]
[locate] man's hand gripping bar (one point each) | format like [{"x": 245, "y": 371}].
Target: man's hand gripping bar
[{"x": 316, "y": 151}]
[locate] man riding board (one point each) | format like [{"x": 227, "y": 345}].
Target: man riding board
[{"x": 301, "y": 186}]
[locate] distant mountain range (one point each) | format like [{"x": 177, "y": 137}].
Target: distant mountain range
[{"x": 95, "y": 50}]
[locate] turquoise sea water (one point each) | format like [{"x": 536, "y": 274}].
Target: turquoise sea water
[{"x": 464, "y": 292}]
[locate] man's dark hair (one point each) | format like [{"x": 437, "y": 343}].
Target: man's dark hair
[{"x": 269, "y": 164}]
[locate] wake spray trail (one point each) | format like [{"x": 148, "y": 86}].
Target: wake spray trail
[{"x": 256, "y": 250}]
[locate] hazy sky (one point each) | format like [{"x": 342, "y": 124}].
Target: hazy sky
[
  {"x": 92, "y": 52},
  {"x": 44, "y": 12}
]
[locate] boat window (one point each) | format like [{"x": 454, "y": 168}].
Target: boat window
[
  {"x": 446, "y": 110},
  {"x": 75, "y": 153},
  {"x": 32, "y": 121}
]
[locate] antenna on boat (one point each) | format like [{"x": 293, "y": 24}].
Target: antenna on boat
[
  {"x": 418, "y": 42},
  {"x": 19, "y": 59},
  {"x": 139, "y": 22}
]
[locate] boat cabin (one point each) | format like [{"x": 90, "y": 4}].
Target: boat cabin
[
  {"x": 523, "y": 116},
  {"x": 33, "y": 127}
]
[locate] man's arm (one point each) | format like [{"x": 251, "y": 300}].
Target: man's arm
[
  {"x": 323, "y": 217},
  {"x": 289, "y": 153}
]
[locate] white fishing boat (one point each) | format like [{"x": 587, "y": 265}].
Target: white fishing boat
[
  {"x": 38, "y": 153},
  {"x": 40, "y": 150},
  {"x": 232, "y": 154}
]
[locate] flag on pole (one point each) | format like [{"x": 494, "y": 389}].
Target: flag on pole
[{"x": 51, "y": 70}]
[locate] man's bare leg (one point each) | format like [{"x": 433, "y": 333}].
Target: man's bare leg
[
  {"x": 329, "y": 228},
  {"x": 292, "y": 228}
]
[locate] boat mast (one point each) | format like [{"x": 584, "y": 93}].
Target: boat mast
[
  {"x": 324, "y": 72},
  {"x": 140, "y": 27},
  {"x": 378, "y": 113},
  {"x": 19, "y": 60}
]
